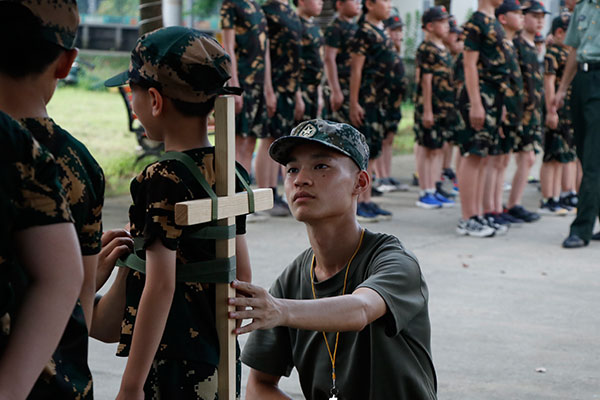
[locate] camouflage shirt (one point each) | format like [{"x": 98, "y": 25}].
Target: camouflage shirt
[
  {"x": 533, "y": 83},
  {"x": 285, "y": 36},
  {"x": 339, "y": 34},
  {"x": 190, "y": 332},
  {"x": 30, "y": 195},
  {"x": 311, "y": 62},
  {"x": 250, "y": 25},
  {"x": 80, "y": 175},
  {"x": 513, "y": 87},
  {"x": 376, "y": 46},
  {"x": 397, "y": 80},
  {"x": 431, "y": 59},
  {"x": 555, "y": 62},
  {"x": 485, "y": 35}
]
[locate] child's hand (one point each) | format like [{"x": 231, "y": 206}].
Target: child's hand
[
  {"x": 115, "y": 243},
  {"x": 271, "y": 101},
  {"x": 477, "y": 116},
  {"x": 428, "y": 119},
  {"x": 336, "y": 99},
  {"x": 552, "y": 119},
  {"x": 357, "y": 114},
  {"x": 239, "y": 104},
  {"x": 300, "y": 107}
]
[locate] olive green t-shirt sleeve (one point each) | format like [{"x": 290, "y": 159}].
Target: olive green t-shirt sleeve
[{"x": 396, "y": 276}]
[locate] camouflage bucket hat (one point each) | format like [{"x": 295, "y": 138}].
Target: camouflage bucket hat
[
  {"x": 183, "y": 63},
  {"x": 59, "y": 19},
  {"x": 337, "y": 136}
]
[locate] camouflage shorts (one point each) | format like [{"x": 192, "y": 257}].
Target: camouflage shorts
[
  {"x": 252, "y": 120},
  {"x": 282, "y": 123},
  {"x": 434, "y": 137},
  {"x": 341, "y": 115},
  {"x": 310, "y": 95},
  {"x": 393, "y": 115},
  {"x": 504, "y": 145},
  {"x": 530, "y": 139},
  {"x": 559, "y": 145},
  {"x": 480, "y": 142},
  {"x": 373, "y": 128}
]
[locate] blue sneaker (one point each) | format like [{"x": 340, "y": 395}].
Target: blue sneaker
[
  {"x": 446, "y": 202},
  {"x": 364, "y": 213},
  {"x": 428, "y": 202},
  {"x": 379, "y": 212}
]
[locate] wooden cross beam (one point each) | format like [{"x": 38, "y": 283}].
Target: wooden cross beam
[{"x": 229, "y": 205}]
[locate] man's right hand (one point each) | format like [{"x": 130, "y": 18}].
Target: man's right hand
[
  {"x": 115, "y": 243},
  {"x": 265, "y": 310}
]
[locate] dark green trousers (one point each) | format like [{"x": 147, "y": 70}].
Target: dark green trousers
[{"x": 585, "y": 108}]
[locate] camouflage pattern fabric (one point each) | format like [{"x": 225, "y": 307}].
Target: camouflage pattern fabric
[
  {"x": 485, "y": 35},
  {"x": 184, "y": 64},
  {"x": 558, "y": 143},
  {"x": 339, "y": 34},
  {"x": 285, "y": 36},
  {"x": 68, "y": 375},
  {"x": 458, "y": 77},
  {"x": 376, "y": 46},
  {"x": 282, "y": 123},
  {"x": 250, "y": 25},
  {"x": 431, "y": 59},
  {"x": 338, "y": 136},
  {"x": 190, "y": 332},
  {"x": 30, "y": 195},
  {"x": 396, "y": 90},
  {"x": 533, "y": 84},
  {"x": 59, "y": 19},
  {"x": 181, "y": 379},
  {"x": 311, "y": 67}
]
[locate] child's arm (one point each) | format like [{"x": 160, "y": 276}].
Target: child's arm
[
  {"x": 336, "y": 98},
  {"x": 357, "y": 113},
  {"x": 88, "y": 289},
  {"x": 51, "y": 256},
  {"x": 270, "y": 98},
  {"x": 476, "y": 112},
  {"x": 426, "y": 87},
  {"x": 151, "y": 318},
  {"x": 242, "y": 256},
  {"x": 551, "y": 114},
  {"x": 108, "y": 312},
  {"x": 229, "y": 46}
]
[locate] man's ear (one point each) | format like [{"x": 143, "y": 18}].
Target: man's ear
[
  {"x": 362, "y": 183},
  {"x": 64, "y": 63},
  {"x": 157, "y": 101}
]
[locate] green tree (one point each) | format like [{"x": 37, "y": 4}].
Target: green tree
[{"x": 118, "y": 7}]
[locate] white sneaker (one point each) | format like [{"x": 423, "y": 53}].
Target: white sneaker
[{"x": 473, "y": 227}]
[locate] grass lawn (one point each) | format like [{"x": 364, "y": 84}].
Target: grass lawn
[{"x": 98, "y": 118}]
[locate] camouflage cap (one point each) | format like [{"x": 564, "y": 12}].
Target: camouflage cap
[
  {"x": 183, "y": 63},
  {"x": 432, "y": 14},
  {"x": 454, "y": 28},
  {"x": 393, "y": 22},
  {"x": 534, "y": 6},
  {"x": 334, "y": 135},
  {"x": 59, "y": 19}
]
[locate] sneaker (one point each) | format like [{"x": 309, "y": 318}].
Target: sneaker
[
  {"x": 520, "y": 212},
  {"x": 439, "y": 189},
  {"x": 415, "y": 180},
  {"x": 513, "y": 220},
  {"x": 364, "y": 214},
  {"x": 455, "y": 189},
  {"x": 400, "y": 187},
  {"x": 280, "y": 208},
  {"x": 379, "y": 212},
  {"x": 473, "y": 227},
  {"x": 551, "y": 207},
  {"x": 506, "y": 187},
  {"x": 491, "y": 222},
  {"x": 449, "y": 174},
  {"x": 446, "y": 202},
  {"x": 384, "y": 186},
  {"x": 428, "y": 202},
  {"x": 497, "y": 217},
  {"x": 570, "y": 200},
  {"x": 375, "y": 192}
]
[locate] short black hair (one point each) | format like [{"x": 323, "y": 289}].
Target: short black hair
[
  {"x": 24, "y": 50},
  {"x": 185, "y": 108}
]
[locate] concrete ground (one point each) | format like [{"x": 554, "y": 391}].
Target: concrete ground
[{"x": 513, "y": 317}]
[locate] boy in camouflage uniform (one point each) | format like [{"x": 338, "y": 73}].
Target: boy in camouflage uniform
[
  {"x": 245, "y": 35},
  {"x": 338, "y": 35},
  {"x": 372, "y": 57},
  {"x": 480, "y": 112},
  {"x": 37, "y": 236},
  {"x": 528, "y": 143},
  {"x": 395, "y": 91},
  {"x": 434, "y": 99},
  {"x": 558, "y": 136},
  {"x": 67, "y": 375},
  {"x": 509, "y": 14},
  {"x": 168, "y": 330},
  {"x": 311, "y": 63},
  {"x": 285, "y": 36}
]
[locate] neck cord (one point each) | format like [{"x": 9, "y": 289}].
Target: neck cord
[{"x": 312, "y": 284}]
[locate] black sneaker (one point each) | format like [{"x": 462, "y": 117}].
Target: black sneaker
[
  {"x": 498, "y": 228},
  {"x": 375, "y": 192},
  {"x": 520, "y": 212},
  {"x": 415, "y": 180},
  {"x": 440, "y": 190},
  {"x": 551, "y": 207},
  {"x": 449, "y": 174},
  {"x": 570, "y": 200},
  {"x": 507, "y": 217},
  {"x": 498, "y": 219}
]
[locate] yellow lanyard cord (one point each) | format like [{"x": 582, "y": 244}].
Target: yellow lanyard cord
[{"x": 312, "y": 284}]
